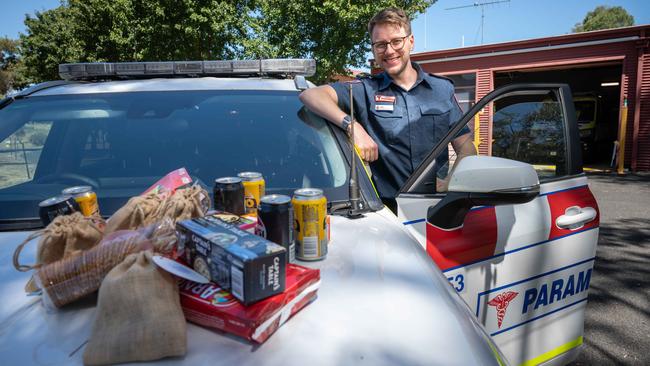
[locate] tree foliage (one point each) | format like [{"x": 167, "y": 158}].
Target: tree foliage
[
  {"x": 333, "y": 32},
  {"x": 604, "y": 17},
  {"x": 8, "y": 64}
]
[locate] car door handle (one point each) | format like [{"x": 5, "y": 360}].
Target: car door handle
[{"x": 575, "y": 217}]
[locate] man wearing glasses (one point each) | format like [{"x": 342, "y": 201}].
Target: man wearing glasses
[{"x": 402, "y": 112}]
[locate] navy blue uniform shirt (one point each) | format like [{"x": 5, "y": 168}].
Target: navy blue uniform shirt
[{"x": 405, "y": 124}]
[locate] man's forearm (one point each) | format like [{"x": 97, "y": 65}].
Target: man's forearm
[{"x": 323, "y": 101}]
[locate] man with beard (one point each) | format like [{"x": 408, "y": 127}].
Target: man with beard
[{"x": 402, "y": 112}]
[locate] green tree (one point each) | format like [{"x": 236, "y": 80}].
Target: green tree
[
  {"x": 333, "y": 32},
  {"x": 49, "y": 41},
  {"x": 8, "y": 61},
  {"x": 160, "y": 30},
  {"x": 604, "y": 17},
  {"x": 131, "y": 30}
]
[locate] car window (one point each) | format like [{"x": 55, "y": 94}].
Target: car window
[
  {"x": 529, "y": 127},
  {"x": 121, "y": 143},
  {"x": 20, "y": 152}
]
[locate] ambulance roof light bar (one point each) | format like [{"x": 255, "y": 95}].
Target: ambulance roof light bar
[{"x": 121, "y": 70}]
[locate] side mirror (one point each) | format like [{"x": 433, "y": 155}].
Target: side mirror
[{"x": 483, "y": 181}]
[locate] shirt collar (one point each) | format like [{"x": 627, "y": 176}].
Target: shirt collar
[{"x": 387, "y": 80}]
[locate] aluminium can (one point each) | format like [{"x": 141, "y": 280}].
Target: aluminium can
[
  {"x": 310, "y": 224},
  {"x": 57, "y": 206},
  {"x": 275, "y": 222},
  {"x": 86, "y": 198},
  {"x": 254, "y": 187},
  {"x": 228, "y": 195}
]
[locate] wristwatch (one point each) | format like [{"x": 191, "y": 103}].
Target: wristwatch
[{"x": 345, "y": 123}]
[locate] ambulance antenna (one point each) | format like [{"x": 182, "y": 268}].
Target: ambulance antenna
[{"x": 355, "y": 193}]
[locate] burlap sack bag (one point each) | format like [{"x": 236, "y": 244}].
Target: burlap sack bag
[
  {"x": 186, "y": 203},
  {"x": 136, "y": 213},
  {"x": 139, "y": 315},
  {"x": 63, "y": 237}
]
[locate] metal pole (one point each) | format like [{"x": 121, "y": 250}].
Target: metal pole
[
  {"x": 621, "y": 145},
  {"x": 354, "y": 187},
  {"x": 482, "y": 22},
  {"x": 25, "y": 158}
]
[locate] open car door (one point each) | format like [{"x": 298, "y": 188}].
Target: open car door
[{"x": 516, "y": 238}]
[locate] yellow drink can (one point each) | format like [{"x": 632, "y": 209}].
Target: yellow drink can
[
  {"x": 86, "y": 198},
  {"x": 254, "y": 187},
  {"x": 310, "y": 224}
]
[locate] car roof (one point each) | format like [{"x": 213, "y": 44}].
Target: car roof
[{"x": 170, "y": 84}]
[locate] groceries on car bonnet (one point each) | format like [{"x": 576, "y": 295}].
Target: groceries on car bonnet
[
  {"x": 245, "y": 247},
  {"x": 250, "y": 267},
  {"x": 210, "y": 306},
  {"x": 139, "y": 316}
]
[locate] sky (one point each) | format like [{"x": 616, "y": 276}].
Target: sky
[{"x": 438, "y": 28}]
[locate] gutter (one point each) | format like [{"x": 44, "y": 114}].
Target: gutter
[{"x": 533, "y": 49}]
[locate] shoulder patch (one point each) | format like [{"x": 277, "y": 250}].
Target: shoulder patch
[{"x": 441, "y": 77}]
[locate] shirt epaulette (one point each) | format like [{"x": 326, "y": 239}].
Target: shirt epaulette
[{"x": 441, "y": 77}]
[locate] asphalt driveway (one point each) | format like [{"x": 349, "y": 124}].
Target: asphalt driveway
[{"x": 617, "y": 327}]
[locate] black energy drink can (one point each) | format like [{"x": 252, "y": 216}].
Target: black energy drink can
[
  {"x": 275, "y": 222},
  {"x": 310, "y": 224},
  {"x": 253, "y": 190},
  {"x": 229, "y": 195},
  {"x": 57, "y": 206}
]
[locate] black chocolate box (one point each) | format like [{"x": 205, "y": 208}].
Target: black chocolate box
[{"x": 250, "y": 267}]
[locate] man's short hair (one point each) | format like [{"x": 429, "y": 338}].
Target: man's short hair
[{"x": 394, "y": 16}]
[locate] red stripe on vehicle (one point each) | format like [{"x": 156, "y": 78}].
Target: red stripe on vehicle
[
  {"x": 476, "y": 239},
  {"x": 560, "y": 201}
]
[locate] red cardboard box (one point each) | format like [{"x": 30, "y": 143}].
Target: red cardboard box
[{"x": 210, "y": 306}]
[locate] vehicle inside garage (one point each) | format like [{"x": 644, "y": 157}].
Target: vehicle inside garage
[{"x": 596, "y": 93}]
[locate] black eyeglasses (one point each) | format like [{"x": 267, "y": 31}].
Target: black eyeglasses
[{"x": 396, "y": 43}]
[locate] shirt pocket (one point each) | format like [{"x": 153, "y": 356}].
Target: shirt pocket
[
  {"x": 389, "y": 124},
  {"x": 434, "y": 124}
]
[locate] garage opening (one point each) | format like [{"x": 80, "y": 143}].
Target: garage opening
[{"x": 596, "y": 94}]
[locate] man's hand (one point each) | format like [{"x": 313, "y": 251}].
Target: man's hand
[{"x": 367, "y": 147}]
